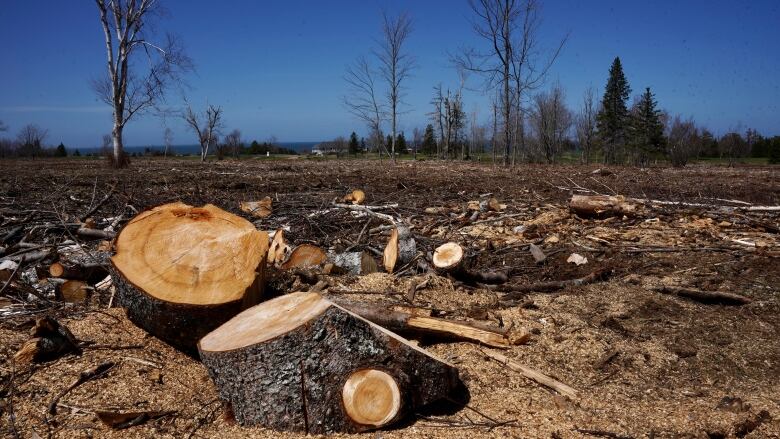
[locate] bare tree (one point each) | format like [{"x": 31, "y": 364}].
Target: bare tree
[
  {"x": 167, "y": 140},
  {"x": 511, "y": 60},
  {"x": 586, "y": 124},
  {"x": 233, "y": 143},
  {"x": 128, "y": 89},
  {"x": 207, "y": 130},
  {"x": 30, "y": 139},
  {"x": 395, "y": 65},
  {"x": 551, "y": 121},
  {"x": 682, "y": 140},
  {"x": 363, "y": 101},
  {"x": 3, "y": 126},
  {"x": 417, "y": 140}
]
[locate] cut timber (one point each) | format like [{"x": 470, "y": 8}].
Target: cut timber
[
  {"x": 357, "y": 263},
  {"x": 182, "y": 271},
  {"x": 279, "y": 251},
  {"x": 260, "y": 209},
  {"x": 80, "y": 266},
  {"x": 355, "y": 197},
  {"x": 400, "y": 249},
  {"x": 303, "y": 256},
  {"x": 302, "y": 363},
  {"x": 73, "y": 291},
  {"x": 409, "y": 324},
  {"x": 449, "y": 258},
  {"x": 601, "y": 205}
]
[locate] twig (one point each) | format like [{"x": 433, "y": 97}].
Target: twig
[
  {"x": 84, "y": 376},
  {"x": 518, "y": 291},
  {"x": 100, "y": 203}
]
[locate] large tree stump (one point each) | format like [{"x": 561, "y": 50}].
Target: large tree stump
[
  {"x": 302, "y": 363},
  {"x": 182, "y": 271}
]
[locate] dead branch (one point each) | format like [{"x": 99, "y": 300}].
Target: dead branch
[
  {"x": 86, "y": 375},
  {"x": 709, "y": 297},
  {"x": 533, "y": 374}
]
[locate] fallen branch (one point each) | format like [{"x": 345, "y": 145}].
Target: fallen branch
[
  {"x": 709, "y": 297},
  {"x": 406, "y": 322},
  {"x": 519, "y": 291},
  {"x": 84, "y": 376},
  {"x": 533, "y": 374}
]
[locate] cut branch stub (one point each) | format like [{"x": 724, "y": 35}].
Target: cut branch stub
[
  {"x": 302, "y": 363},
  {"x": 400, "y": 249},
  {"x": 182, "y": 271},
  {"x": 279, "y": 250}
]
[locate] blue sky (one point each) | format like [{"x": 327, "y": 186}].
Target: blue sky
[{"x": 277, "y": 67}]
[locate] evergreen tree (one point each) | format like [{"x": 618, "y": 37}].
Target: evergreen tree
[
  {"x": 77, "y": 153},
  {"x": 354, "y": 146},
  {"x": 61, "y": 151},
  {"x": 400, "y": 143},
  {"x": 613, "y": 119},
  {"x": 647, "y": 130},
  {"x": 429, "y": 140},
  {"x": 774, "y": 150},
  {"x": 363, "y": 144}
]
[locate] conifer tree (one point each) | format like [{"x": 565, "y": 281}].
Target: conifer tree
[
  {"x": 429, "y": 140},
  {"x": 61, "y": 151},
  {"x": 613, "y": 119},
  {"x": 354, "y": 146},
  {"x": 647, "y": 129}
]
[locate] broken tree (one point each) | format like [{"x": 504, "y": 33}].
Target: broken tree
[
  {"x": 400, "y": 249},
  {"x": 182, "y": 271},
  {"x": 302, "y": 363}
]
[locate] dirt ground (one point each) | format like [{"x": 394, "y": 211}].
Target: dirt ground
[{"x": 645, "y": 364}]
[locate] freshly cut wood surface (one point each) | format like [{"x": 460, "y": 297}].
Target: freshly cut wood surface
[
  {"x": 357, "y": 196},
  {"x": 181, "y": 271},
  {"x": 448, "y": 256},
  {"x": 371, "y": 397},
  {"x": 601, "y": 205},
  {"x": 400, "y": 248},
  {"x": 305, "y": 255},
  {"x": 302, "y": 363},
  {"x": 279, "y": 250},
  {"x": 260, "y": 209}
]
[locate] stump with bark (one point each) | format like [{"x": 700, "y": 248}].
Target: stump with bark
[
  {"x": 450, "y": 259},
  {"x": 302, "y": 363},
  {"x": 181, "y": 271},
  {"x": 400, "y": 249}
]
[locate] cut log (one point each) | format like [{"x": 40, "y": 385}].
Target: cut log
[
  {"x": 260, "y": 209},
  {"x": 449, "y": 258},
  {"x": 182, "y": 271},
  {"x": 400, "y": 249},
  {"x": 80, "y": 266},
  {"x": 279, "y": 251},
  {"x": 601, "y": 205},
  {"x": 355, "y": 197},
  {"x": 303, "y": 256},
  {"x": 357, "y": 263},
  {"x": 302, "y": 363},
  {"x": 73, "y": 291},
  {"x": 410, "y": 324}
]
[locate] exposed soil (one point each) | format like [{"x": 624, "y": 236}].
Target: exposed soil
[{"x": 645, "y": 364}]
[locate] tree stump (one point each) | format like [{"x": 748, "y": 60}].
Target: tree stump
[
  {"x": 302, "y": 363},
  {"x": 181, "y": 271},
  {"x": 450, "y": 258}
]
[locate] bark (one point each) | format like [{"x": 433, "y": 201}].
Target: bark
[
  {"x": 295, "y": 381},
  {"x": 601, "y": 205},
  {"x": 400, "y": 249}
]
